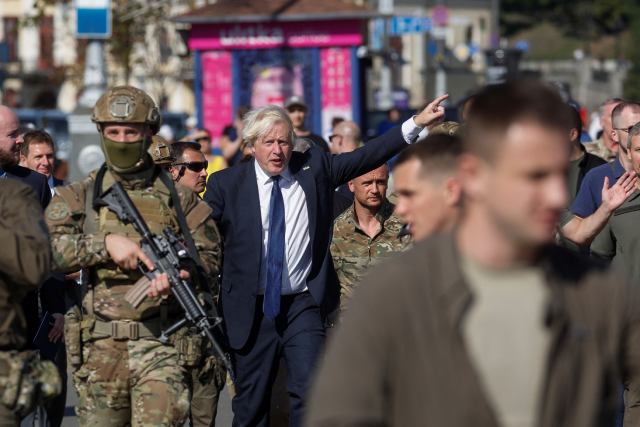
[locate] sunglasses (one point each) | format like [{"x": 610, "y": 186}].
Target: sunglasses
[{"x": 194, "y": 166}]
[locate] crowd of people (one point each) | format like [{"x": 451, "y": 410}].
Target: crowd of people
[{"x": 440, "y": 274}]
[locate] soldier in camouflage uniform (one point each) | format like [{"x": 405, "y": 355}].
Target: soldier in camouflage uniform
[
  {"x": 205, "y": 374},
  {"x": 25, "y": 262},
  {"x": 365, "y": 233},
  {"x": 123, "y": 374}
]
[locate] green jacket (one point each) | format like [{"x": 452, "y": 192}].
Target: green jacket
[
  {"x": 354, "y": 252},
  {"x": 25, "y": 258},
  {"x": 619, "y": 241},
  {"x": 399, "y": 358}
]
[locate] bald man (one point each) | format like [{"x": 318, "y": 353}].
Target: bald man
[
  {"x": 366, "y": 232},
  {"x": 346, "y": 137},
  {"x": 9, "y": 156}
]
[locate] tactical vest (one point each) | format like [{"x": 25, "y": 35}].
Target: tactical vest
[{"x": 108, "y": 282}]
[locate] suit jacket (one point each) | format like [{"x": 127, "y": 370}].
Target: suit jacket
[
  {"x": 399, "y": 357},
  {"x": 233, "y": 195},
  {"x": 33, "y": 179}
]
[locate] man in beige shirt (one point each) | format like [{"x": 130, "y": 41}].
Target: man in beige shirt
[{"x": 490, "y": 325}]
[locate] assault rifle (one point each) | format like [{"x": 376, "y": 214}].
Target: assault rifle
[{"x": 166, "y": 252}]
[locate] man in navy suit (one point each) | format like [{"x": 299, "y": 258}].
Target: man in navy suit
[
  {"x": 37, "y": 152},
  {"x": 275, "y": 214}
]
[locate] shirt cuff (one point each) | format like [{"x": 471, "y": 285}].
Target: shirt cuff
[{"x": 410, "y": 131}]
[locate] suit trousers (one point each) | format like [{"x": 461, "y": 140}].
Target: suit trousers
[{"x": 296, "y": 334}]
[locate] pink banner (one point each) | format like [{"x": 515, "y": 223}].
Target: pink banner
[
  {"x": 270, "y": 35},
  {"x": 336, "y": 85},
  {"x": 217, "y": 100}
]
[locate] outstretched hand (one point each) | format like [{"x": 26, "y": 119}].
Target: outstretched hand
[
  {"x": 614, "y": 197},
  {"x": 432, "y": 113}
]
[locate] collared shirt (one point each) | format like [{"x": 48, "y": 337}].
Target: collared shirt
[
  {"x": 51, "y": 185},
  {"x": 297, "y": 241},
  {"x": 589, "y": 196},
  {"x": 354, "y": 252},
  {"x": 296, "y": 217}
]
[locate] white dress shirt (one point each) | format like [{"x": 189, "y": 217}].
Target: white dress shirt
[
  {"x": 297, "y": 243},
  {"x": 297, "y": 248}
]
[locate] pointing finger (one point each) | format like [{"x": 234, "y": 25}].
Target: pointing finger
[{"x": 436, "y": 102}]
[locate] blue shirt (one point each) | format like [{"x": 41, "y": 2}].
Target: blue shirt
[{"x": 589, "y": 196}]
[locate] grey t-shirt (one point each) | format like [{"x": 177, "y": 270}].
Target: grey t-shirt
[{"x": 506, "y": 338}]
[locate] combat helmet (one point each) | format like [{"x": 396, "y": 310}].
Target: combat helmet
[
  {"x": 127, "y": 104},
  {"x": 160, "y": 151}
]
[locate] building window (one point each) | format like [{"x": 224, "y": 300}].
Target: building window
[
  {"x": 9, "y": 50},
  {"x": 45, "y": 61}
]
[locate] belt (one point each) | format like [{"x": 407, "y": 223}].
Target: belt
[{"x": 122, "y": 330}]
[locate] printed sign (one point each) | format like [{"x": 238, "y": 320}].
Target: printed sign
[
  {"x": 270, "y": 35},
  {"x": 217, "y": 99}
]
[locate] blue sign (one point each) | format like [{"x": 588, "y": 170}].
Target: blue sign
[
  {"x": 409, "y": 24},
  {"x": 522, "y": 45},
  {"x": 93, "y": 19}
]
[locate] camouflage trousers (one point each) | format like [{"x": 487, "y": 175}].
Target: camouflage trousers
[
  {"x": 8, "y": 418},
  {"x": 206, "y": 381},
  {"x": 130, "y": 382},
  {"x": 26, "y": 381}
]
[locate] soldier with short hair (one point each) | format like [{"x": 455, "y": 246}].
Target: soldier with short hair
[
  {"x": 122, "y": 372},
  {"x": 365, "y": 233},
  {"x": 25, "y": 261}
]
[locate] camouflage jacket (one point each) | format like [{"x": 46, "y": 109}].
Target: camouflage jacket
[
  {"x": 353, "y": 251},
  {"x": 25, "y": 258},
  {"x": 598, "y": 148},
  {"x": 78, "y": 240}
]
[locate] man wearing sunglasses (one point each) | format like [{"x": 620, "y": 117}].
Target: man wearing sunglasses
[
  {"x": 206, "y": 375},
  {"x": 190, "y": 166}
]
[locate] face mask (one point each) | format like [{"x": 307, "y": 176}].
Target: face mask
[{"x": 124, "y": 157}]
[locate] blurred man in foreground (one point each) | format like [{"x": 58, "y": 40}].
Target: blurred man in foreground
[
  {"x": 25, "y": 261},
  {"x": 490, "y": 325}
]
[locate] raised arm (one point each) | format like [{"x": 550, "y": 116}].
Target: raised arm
[
  {"x": 582, "y": 231},
  {"x": 347, "y": 166}
]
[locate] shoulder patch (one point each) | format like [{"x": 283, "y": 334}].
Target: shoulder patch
[
  {"x": 58, "y": 211},
  {"x": 73, "y": 195},
  {"x": 199, "y": 214}
]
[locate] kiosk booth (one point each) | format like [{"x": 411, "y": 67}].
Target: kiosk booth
[{"x": 260, "y": 52}]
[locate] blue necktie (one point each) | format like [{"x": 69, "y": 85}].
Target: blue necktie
[{"x": 275, "y": 252}]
